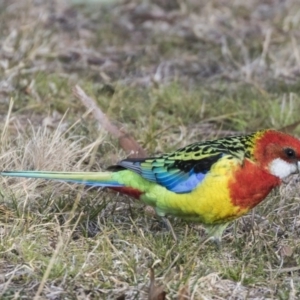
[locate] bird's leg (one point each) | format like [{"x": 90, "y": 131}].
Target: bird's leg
[
  {"x": 215, "y": 232},
  {"x": 170, "y": 228},
  {"x": 217, "y": 242}
]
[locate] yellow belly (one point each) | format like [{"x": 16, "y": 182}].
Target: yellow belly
[{"x": 209, "y": 202}]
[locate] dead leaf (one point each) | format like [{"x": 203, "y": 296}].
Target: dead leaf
[
  {"x": 131, "y": 146},
  {"x": 184, "y": 293},
  {"x": 121, "y": 297},
  {"x": 150, "y": 211},
  {"x": 155, "y": 292},
  {"x": 286, "y": 251}
]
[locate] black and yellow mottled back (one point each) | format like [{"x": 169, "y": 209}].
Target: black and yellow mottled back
[
  {"x": 182, "y": 170},
  {"x": 238, "y": 146}
]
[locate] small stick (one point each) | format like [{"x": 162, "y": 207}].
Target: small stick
[{"x": 126, "y": 141}]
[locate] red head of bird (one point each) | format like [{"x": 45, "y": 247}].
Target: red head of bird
[{"x": 278, "y": 153}]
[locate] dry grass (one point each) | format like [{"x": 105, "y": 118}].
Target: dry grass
[{"x": 171, "y": 72}]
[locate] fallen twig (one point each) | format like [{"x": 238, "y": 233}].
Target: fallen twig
[{"x": 126, "y": 141}]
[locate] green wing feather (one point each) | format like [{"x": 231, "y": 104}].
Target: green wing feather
[{"x": 181, "y": 171}]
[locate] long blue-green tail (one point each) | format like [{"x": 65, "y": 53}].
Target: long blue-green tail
[{"x": 104, "y": 179}]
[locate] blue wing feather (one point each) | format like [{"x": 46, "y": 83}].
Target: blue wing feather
[
  {"x": 177, "y": 175},
  {"x": 189, "y": 184}
]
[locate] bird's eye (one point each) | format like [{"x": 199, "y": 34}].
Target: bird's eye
[{"x": 290, "y": 153}]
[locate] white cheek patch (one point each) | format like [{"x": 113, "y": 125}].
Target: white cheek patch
[{"x": 280, "y": 168}]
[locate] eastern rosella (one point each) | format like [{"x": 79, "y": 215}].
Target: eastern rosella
[{"x": 212, "y": 182}]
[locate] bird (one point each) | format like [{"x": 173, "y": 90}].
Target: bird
[{"x": 211, "y": 182}]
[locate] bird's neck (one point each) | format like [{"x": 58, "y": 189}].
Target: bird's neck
[{"x": 250, "y": 185}]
